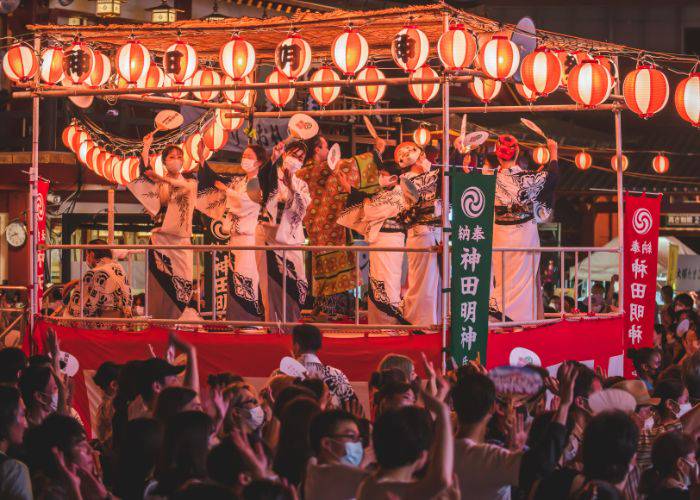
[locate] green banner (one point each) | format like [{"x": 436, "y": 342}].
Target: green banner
[{"x": 471, "y": 237}]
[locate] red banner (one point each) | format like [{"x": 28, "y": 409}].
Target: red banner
[
  {"x": 642, "y": 213},
  {"x": 40, "y": 214}
]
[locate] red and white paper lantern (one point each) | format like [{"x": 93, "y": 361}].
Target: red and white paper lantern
[
  {"x": 206, "y": 76},
  {"x": 589, "y": 83},
  {"x": 180, "y": 61},
  {"x": 583, "y": 160},
  {"x": 541, "y": 155},
  {"x": 130, "y": 169},
  {"x": 371, "y": 94},
  {"x": 237, "y": 58},
  {"x": 215, "y": 136},
  {"x": 423, "y": 92},
  {"x": 422, "y": 136},
  {"x": 181, "y": 94},
  {"x": 625, "y": 162},
  {"x": 78, "y": 60},
  {"x": 20, "y": 64},
  {"x": 154, "y": 77},
  {"x": 133, "y": 61},
  {"x": 541, "y": 71},
  {"x": 52, "y": 65},
  {"x": 526, "y": 93},
  {"x": 687, "y": 99},
  {"x": 324, "y": 95},
  {"x": 349, "y": 52},
  {"x": 456, "y": 48},
  {"x": 293, "y": 56},
  {"x": 226, "y": 119},
  {"x": 101, "y": 70},
  {"x": 280, "y": 97},
  {"x": 660, "y": 164},
  {"x": 236, "y": 95},
  {"x": 410, "y": 48},
  {"x": 499, "y": 58},
  {"x": 485, "y": 89},
  {"x": 645, "y": 90},
  {"x": 68, "y": 134}
]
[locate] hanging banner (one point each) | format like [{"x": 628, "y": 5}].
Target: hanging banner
[
  {"x": 471, "y": 238},
  {"x": 40, "y": 214},
  {"x": 641, "y": 240},
  {"x": 220, "y": 266}
]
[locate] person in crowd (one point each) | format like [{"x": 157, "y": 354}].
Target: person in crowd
[
  {"x": 674, "y": 471},
  {"x": 103, "y": 291},
  {"x": 400, "y": 362},
  {"x": 106, "y": 379},
  {"x": 137, "y": 457},
  {"x": 12, "y": 362},
  {"x": 294, "y": 446},
  {"x": 173, "y": 400},
  {"x": 646, "y": 362},
  {"x": 15, "y": 483},
  {"x": 306, "y": 344},
  {"x": 690, "y": 370},
  {"x": 244, "y": 410},
  {"x": 376, "y": 218},
  {"x": 284, "y": 200},
  {"x": 42, "y": 392},
  {"x": 666, "y": 308},
  {"x": 333, "y": 272},
  {"x": 235, "y": 463},
  {"x": 393, "y": 395},
  {"x": 139, "y": 304}
]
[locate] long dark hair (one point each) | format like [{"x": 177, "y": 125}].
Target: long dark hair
[
  {"x": 138, "y": 453},
  {"x": 294, "y": 444},
  {"x": 665, "y": 452},
  {"x": 311, "y": 145},
  {"x": 260, "y": 152}
]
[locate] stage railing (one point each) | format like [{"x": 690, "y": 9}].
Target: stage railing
[{"x": 211, "y": 318}]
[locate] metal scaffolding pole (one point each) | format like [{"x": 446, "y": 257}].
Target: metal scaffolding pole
[
  {"x": 620, "y": 205},
  {"x": 445, "y": 235},
  {"x": 33, "y": 194}
]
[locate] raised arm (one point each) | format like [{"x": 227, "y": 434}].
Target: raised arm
[{"x": 147, "y": 142}]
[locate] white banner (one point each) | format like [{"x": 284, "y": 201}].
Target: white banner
[{"x": 688, "y": 273}]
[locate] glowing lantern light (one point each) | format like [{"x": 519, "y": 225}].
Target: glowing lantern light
[
  {"x": 293, "y": 56},
  {"x": 188, "y": 164},
  {"x": 324, "y": 95},
  {"x": 456, "y": 48},
  {"x": 279, "y": 97},
  {"x": 660, "y": 164},
  {"x": 541, "y": 71},
  {"x": 589, "y": 83},
  {"x": 78, "y": 60},
  {"x": 421, "y": 136},
  {"x": 51, "y": 65},
  {"x": 568, "y": 61},
  {"x": 645, "y": 90},
  {"x": 541, "y": 155},
  {"x": 687, "y": 99},
  {"x": 133, "y": 61},
  {"x": 625, "y": 163},
  {"x": 206, "y": 77},
  {"x": 371, "y": 94},
  {"x": 499, "y": 58},
  {"x": 108, "y": 171},
  {"x": 410, "y": 48},
  {"x": 167, "y": 82},
  {"x": 191, "y": 146},
  {"x": 155, "y": 160},
  {"x": 180, "y": 61},
  {"x": 237, "y": 58},
  {"x": 101, "y": 70},
  {"x": 100, "y": 161},
  {"x": 116, "y": 176},
  {"x": 423, "y": 92},
  {"x": 236, "y": 95},
  {"x": 226, "y": 119},
  {"x": 130, "y": 169},
  {"x": 215, "y": 136},
  {"x": 583, "y": 160},
  {"x": 20, "y": 64},
  {"x": 349, "y": 52},
  {"x": 485, "y": 89},
  {"x": 154, "y": 77},
  {"x": 68, "y": 133},
  {"x": 78, "y": 139},
  {"x": 91, "y": 156},
  {"x": 526, "y": 93},
  {"x": 83, "y": 149}
]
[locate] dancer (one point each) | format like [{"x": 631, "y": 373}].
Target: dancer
[
  {"x": 284, "y": 199},
  {"x": 524, "y": 198},
  {"x": 421, "y": 185},
  {"x": 170, "y": 200},
  {"x": 376, "y": 218}
]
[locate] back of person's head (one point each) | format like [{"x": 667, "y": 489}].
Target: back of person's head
[
  {"x": 172, "y": 400},
  {"x": 669, "y": 391},
  {"x": 325, "y": 424},
  {"x": 393, "y": 395},
  {"x": 671, "y": 371},
  {"x": 10, "y": 401},
  {"x": 399, "y": 361},
  {"x": 208, "y": 491},
  {"x": 56, "y": 431},
  {"x": 294, "y": 448},
  {"x": 100, "y": 250},
  {"x": 228, "y": 466},
  {"x": 279, "y": 382},
  {"x": 315, "y": 385},
  {"x": 33, "y": 380},
  {"x": 381, "y": 377},
  {"x": 12, "y": 362},
  {"x": 691, "y": 375},
  {"x": 668, "y": 450},
  {"x": 137, "y": 457},
  {"x": 683, "y": 301},
  {"x": 401, "y": 437},
  {"x": 308, "y": 338},
  {"x": 39, "y": 360},
  {"x": 266, "y": 489},
  {"x": 611, "y": 381},
  {"x": 106, "y": 373},
  {"x": 473, "y": 398},
  {"x": 289, "y": 394},
  {"x": 609, "y": 445},
  {"x": 585, "y": 379},
  {"x": 641, "y": 358}
]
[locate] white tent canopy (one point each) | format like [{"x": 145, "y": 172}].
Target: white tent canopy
[{"x": 604, "y": 264}]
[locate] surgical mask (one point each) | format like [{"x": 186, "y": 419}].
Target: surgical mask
[
  {"x": 173, "y": 166},
  {"x": 52, "y": 405},
  {"x": 649, "y": 423},
  {"x": 292, "y": 164},
  {"x": 256, "y": 417},
  {"x": 248, "y": 165},
  {"x": 687, "y": 477},
  {"x": 386, "y": 180},
  {"x": 354, "y": 452},
  {"x": 683, "y": 409}
]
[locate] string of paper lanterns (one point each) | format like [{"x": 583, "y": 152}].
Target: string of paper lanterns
[{"x": 325, "y": 95}]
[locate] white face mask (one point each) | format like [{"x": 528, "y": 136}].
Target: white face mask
[
  {"x": 649, "y": 423},
  {"x": 386, "y": 180},
  {"x": 256, "y": 417},
  {"x": 248, "y": 165},
  {"x": 292, "y": 164},
  {"x": 173, "y": 166},
  {"x": 684, "y": 408}
]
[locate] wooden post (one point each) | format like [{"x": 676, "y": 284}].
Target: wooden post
[{"x": 110, "y": 217}]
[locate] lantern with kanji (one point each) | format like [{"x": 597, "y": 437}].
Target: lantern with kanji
[
  {"x": 423, "y": 92},
  {"x": 206, "y": 76},
  {"x": 215, "y": 136},
  {"x": 526, "y": 93},
  {"x": 568, "y": 61},
  {"x": 499, "y": 58},
  {"x": 237, "y": 57},
  {"x": 293, "y": 56},
  {"x": 625, "y": 163},
  {"x": 410, "y": 48},
  {"x": 101, "y": 70},
  {"x": 349, "y": 52},
  {"x": 422, "y": 136},
  {"x": 456, "y": 48},
  {"x": 133, "y": 61},
  {"x": 541, "y": 155},
  {"x": 371, "y": 94},
  {"x": 20, "y": 64},
  {"x": 280, "y": 97},
  {"x": 660, "y": 164},
  {"x": 645, "y": 90},
  {"x": 687, "y": 99},
  {"x": 228, "y": 120},
  {"x": 180, "y": 61},
  {"x": 52, "y": 65},
  {"x": 485, "y": 88},
  {"x": 589, "y": 83},
  {"x": 236, "y": 95},
  {"x": 327, "y": 94},
  {"x": 176, "y": 94},
  {"x": 583, "y": 160},
  {"x": 541, "y": 71},
  {"x": 78, "y": 60}
]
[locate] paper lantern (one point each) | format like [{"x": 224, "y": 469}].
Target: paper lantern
[
  {"x": 279, "y": 97},
  {"x": 660, "y": 164},
  {"x": 568, "y": 61},
  {"x": 90, "y": 157},
  {"x": 215, "y": 136},
  {"x": 78, "y": 60},
  {"x": 117, "y": 170},
  {"x": 237, "y": 58},
  {"x": 188, "y": 164},
  {"x": 167, "y": 82},
  {"x": 421, "y": 136},
  {"x": 101, "y": 70},
  {"x": 68, "y": 133},
  {"x": 191, "y": 147},
  {"x": 687, "y": 99},
  {"x": 324, "y": 95},
  {"x": 83, "y": 150},
  {"x": 608, "y": 64},
  {"x": 371, "y": 94},
  {"x": 52, "y": 65},
  {"x": 133, "y": 61},
  {"x": 541, "y": 155},
  {"x": 499, "y": 58},
  {"x": 236, "y": 95},
  {"x": 154, "y": 77},
  {"x": 20, "y": 64},
  {"x": 293, "y": 56},
  {"x": 423, "y": 92},
  {"x": 485, "y": 88},
  {"x": 100, "y": 161},
  {"x": 129, "y": 169},
  {"x": 583, "y": 160},
  {"x": 526, "y": 93},
  {"x": 108, "y": 170},
  {"x": 227, "y": 119},
  {"x": 410, "y": 48},
  {"x": 625, "y": 163},
  {"x": 349, "y": 52},
  {"x": 456, "y": 48},
  {"x": 78, "y": 139},
  {"x": 155, "y": 161},
  {"x": 541, "y": 71},
  {"x": 589, "y": 83},
  {"x": 645, "y": 90},
  {"x": 180, "y": 61},
  {"x": 206, "y": 76}
]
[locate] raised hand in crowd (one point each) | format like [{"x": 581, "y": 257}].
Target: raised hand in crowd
[{"x": 192, "y": 370}]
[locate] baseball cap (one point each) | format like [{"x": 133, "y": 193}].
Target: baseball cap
[
  {"x": 157, "y": 368},
  {"x": 106, "y": 373}
]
